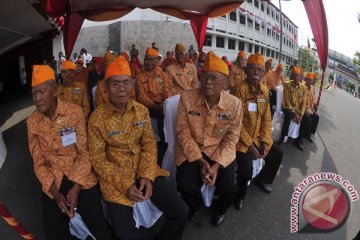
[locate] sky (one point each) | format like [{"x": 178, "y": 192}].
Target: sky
[{"x": 343, "y": 24}]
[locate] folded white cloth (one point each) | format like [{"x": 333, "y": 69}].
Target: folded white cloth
[
  {"x": 78, "y": 228},
  {"x": 294, "y": 129},
  {"x": 146, "y": 214},
  {"x": 207, "y": 193}
]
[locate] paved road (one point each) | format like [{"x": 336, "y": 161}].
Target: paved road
[{"x": 265, "y": 216}]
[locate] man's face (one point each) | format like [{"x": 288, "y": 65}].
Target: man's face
[
  {"x": 43, "y": 96},
  {"x": 212, "y": 83},
  {"x": 202, "y": 57},
  {"x": 67, "y": 76},
  {"x": 168, "y": 54},
  {"x": 267, "y": 66},
  {"x": 254, "y": 73},
  {"x": 78, "y": 67},
  {"x": 119, "y": 89},
  {"x": 279, "y": 70},
  {"x": 150, "y": 62},
  {"x": 295, "y": 77},
  {"x": 180, "y": 57},
  {"x": 241, "y": 62}
]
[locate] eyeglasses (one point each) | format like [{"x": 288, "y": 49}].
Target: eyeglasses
[{"x": 211, "y": 78}]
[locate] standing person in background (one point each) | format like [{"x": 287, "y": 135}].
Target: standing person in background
[
  {"x": 85, "y": 57},
  {"x": 237, "y": 74},
  {"x": 134, "y": 68},
  {"x": 135, "y": 53},
  {"x": 153, "y": 45},
  {"x": 311, "y": 106},
  {"x": 61, "y": 59},
  {"x": 182, "y": 75},
  {"x": 200, "y": 63},
  {"x": 109, "y": 55},
  {"x": 75, "y": 57},
  {"x": 269, "y": 81},
  {"x": 95, "y": 76},
  {"x": 191, "y": 51},
  {"x": 167, "y": 61}
]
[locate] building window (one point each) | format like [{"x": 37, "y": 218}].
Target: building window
[
  {"x": 232, "y": 16},
  {"x": 250, "y": 48},
  {"x": 249, "y": 1},
  {"x": 208, "y": 40},
  {"x": 262, "y": 7},
  {"x": 250, "y": 23},
  {"x": 272, "y": 14},
  {"x": 272, "y": 53},
  {"x": 262, "y": 50},
  {"x": 256, "y": 48},
  {"x": 268, "y": 11},
  {"x": 277, "y": 55},
  {"x": 277, "y": 37},
  {"x": 268, "y": 52},
  {"x": 256, "y": 3},
  {"x": 242, "y": 19},
  {"x": 268, "y": 32},
  {"x": 273, "y": 34},
  {"x": 231, "y": 44},
  {"x": 257, "y": 26},
  {"x": 220, "y": 42},
  {"x": 241, "y": 46}
]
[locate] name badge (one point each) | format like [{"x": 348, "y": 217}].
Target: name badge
[
  {"x": 194, "y": 113},
  {"x": 140, "y": 123},
  {"x": 262, "y": 100},
  {"x": 68, "y": 136},
  {"x": 252, "y": 107},
  {"x": 77, "y": 90},
  {"x": 113, "y": 133},
  {"x": 223, "y": 116}
]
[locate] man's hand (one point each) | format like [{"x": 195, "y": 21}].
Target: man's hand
[
  {"x": 147, "y": 185},
  {"x": 205, "y": 171},
  {"x": 72, "y": 198},
  {"x": 264, "y": 150},
  {"x": 213, "y": 176},
  {"x": 134, "y": 194},
  {"x": 60, "y": 200},
  {"x": 254, "y": 152}
]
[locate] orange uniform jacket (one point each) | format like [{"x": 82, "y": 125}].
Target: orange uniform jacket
[
  {"x": 269, "y": 80},
  {"x": 213, "y": 132},
  {"x": 310, "y": 100},
  {"x": 82, "y": 76},
  {"x": 256, "y": 125},
  {"x": 153, "y": 89},
  {"x": 52, "y": 161},
  {"x": 294, "y": 97},
  {"x": 236, "y": 76},
  {"x": 122, "y": 149},
  {"x": 76, "y": 94},
  {"x": 182, "y": 78}
]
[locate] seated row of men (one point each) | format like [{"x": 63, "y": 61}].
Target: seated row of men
[{"x": 117, "y": 149}]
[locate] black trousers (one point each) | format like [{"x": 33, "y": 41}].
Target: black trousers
[
  {"x": 56, "y": 224},
  {"x": 305, "y": 125},
  {"x": 314, "y": 122},
  {"x": 162, "y": 145},
  {"x": 267, "y": 173},
  {"x": 189, "y": 185},
  {"x": 166, "y": 199}
]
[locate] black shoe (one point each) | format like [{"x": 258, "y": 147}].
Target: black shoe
[
  {"x": 297, "y": 144},
  {"x": 263, "y": 186},
  {"x": 218, "y": 219},
  {"x": 309, "y": 139},
  {"x": 239, "y": 203},
  {"x": 192, "y": 214}
]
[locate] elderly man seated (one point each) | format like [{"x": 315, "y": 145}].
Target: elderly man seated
[
  {"x": 58, "y": 145},
  {"x": 208, "y": 128},
  {"x": 123, "y": 153}
]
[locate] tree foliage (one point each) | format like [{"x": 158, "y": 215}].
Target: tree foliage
[
  {"x": 356, "y": 61},
  {"x": 306, "y": 60}
]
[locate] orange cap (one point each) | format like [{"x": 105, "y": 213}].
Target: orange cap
[
  {"x": 41, "y": 74},
  {"x": 118, "y": 67},
  {"x": 214, "y": 64},
  {"x": 295, "y": 70},
  {"x": 126, "y": 56},
  {"x": 151, "y": 52},
  {"x": 68, "y": 65},
  {"x": 256, "y": 58},
  {"x": 315, "y": 75},
  {"x": 242, "y": 54},
  {"x": 310, "y": 75},
  {"x": 180, "y": 48}
]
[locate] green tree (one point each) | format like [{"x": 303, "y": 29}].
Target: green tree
[
  {"x": 356, "y": 61},
  {"x": 306, "y": 60}
]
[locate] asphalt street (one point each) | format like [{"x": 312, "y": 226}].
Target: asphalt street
[{"x": 265, "y": 216}]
